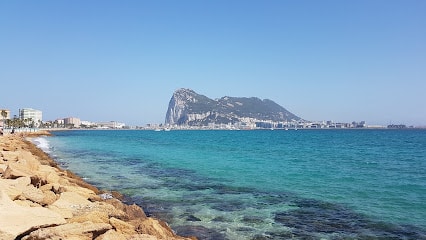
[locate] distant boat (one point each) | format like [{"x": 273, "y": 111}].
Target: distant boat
[
  {"x": 157, "y": 130},
  {"x": 167, "y": 129}
]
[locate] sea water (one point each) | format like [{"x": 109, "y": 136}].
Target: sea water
[{"x": 305, "y": 184}]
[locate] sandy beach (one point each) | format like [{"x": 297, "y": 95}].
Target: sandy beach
[{"x": 38, "y": 200}]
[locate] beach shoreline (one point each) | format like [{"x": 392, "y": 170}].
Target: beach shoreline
[{"x": 39, "y": 200}]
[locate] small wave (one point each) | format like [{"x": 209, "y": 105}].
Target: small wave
[{"x": 42, "y": 143}]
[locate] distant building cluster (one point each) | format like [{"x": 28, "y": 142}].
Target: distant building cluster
[
  {"x": 262, "y": 124},
  {"x": 250, "y": 123},
  {"x": 26, "y": 118},
  {"x": 33, "y": 118},
  {"x": 73, "y": 122}
]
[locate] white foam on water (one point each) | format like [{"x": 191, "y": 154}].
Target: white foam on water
[{"x": 42, "y": 143}]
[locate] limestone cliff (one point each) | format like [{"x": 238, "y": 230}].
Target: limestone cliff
[{"x": 186, "y": 107}]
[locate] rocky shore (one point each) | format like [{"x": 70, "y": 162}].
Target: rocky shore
[{"x": 38, "y": 200}]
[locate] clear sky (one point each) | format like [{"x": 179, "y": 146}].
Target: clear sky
[{"x": 122, "y": 60}]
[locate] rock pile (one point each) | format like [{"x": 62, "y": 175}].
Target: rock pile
[{"x": 38, "y": 200}]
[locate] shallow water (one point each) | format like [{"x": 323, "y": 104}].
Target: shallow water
[{"x": 330, "y": 184}]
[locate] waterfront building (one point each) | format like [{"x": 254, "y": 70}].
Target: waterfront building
[
  {"x": 397, "y": 126},
  {"x": 87, "y": 124},
  {"x": 36, "y": 116},
  {"x": 112, "y": 124},
  {"x": 72, "y": 122}
]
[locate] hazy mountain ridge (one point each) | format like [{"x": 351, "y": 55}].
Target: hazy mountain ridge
[{"x": 186, "y": 107}]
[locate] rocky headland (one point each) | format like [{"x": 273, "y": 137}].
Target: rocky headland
[
  {"x": 38, "y": 200},
  {"x": 186, "y": 107}
]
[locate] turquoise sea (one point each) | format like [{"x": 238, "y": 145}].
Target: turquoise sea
[{"x": 304, "y": 184}]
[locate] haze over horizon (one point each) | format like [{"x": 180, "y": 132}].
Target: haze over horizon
[{"x": 321, "y": 60}]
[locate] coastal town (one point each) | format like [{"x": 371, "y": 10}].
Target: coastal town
[
  {"x": 33, "y": 118},
  {"x": 29, "y": 118}
]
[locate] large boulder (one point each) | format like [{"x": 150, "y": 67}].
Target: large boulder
[
  {"x": 29, "y": 161},
  {"x": 154, "y": 227},
  {"x": 121, "y": 226},
  {"x": 56, "y": 188},
  {"x": 16, "y": 220},
  {"x": 14, "y": 187},
  {"x": 84, "y": 192},
  {"x": 111, "y": 235},
  {"x": 7, "y": 236},
  {"x": 2, "y": 166},
  {"x": 16, "y": 170},
  {"x": 114, "y": 235},
  {"x": 10, "y": 156},
  {"x": 33, "y": 194},
  {"x": 49, "y": 197},
  {"x": 73, "y": 202},
  {"x": 63, "y": 212},
  {"x": 133, "y": 211},
  {"x": 81, "y": 231},
  {"x": 92, "y": 216},
  {"x": 110, "y": 210},
  {"x": 9, "y": 147},
  {"x": 37, "y": 195},
  {"x": 48, "y": 174}
]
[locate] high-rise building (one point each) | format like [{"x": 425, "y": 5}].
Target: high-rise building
[{"x": 34, "y": 115}]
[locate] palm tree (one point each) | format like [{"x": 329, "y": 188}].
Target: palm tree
[
  {"x": 4, "y": 115},
  {"x": 8, "y": 122},
  {"x": 27, "y": 122}
]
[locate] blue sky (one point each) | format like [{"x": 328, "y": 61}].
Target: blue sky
[{"x": 122, "y": 60}]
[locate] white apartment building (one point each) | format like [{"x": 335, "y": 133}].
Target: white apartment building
[
  {"x": 88, "y": 123},
  {"x": 28, "y": 113},
  {"x": 111, "y": 124}
]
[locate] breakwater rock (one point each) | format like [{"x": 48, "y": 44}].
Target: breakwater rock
[{"x": 38, "y": 200}]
